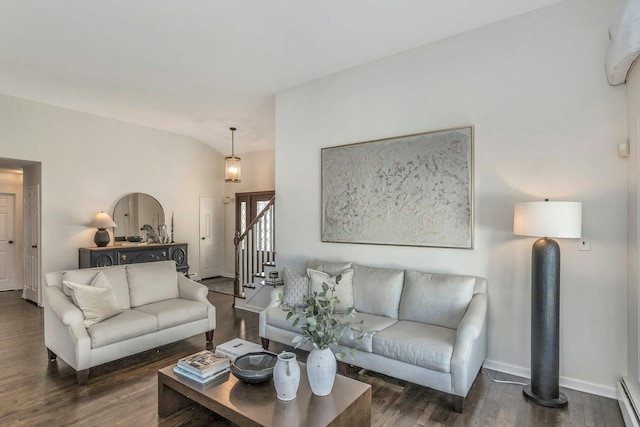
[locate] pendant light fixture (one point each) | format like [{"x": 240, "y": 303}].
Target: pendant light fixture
[{"x": 232, "y": 164}]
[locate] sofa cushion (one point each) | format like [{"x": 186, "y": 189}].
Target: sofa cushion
[
  {"x": 332, "y": 268},
  {"x": 97, "y": 302},
  {"x": 377, "y": 290},
  {"x": 126, "y": 325},
  {"x": 418, "y": 344},
  {"x": 296, "y": 287},
  {"x": 343, "y": 290},
  {"x": 277, "y": 317},
  {"x": 175, "y": 312},
  {"x": 117, "y": 277},
  {"x": 435, "y": 299},
  {"x": 371, "y": 324},
  {"x": 152, "y": 282}
]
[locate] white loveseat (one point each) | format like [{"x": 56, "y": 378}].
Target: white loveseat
[
  {"x": 155, "y": 306},
  {"x": 429, "y": 329}
]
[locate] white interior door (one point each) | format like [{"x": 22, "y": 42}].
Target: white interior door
[
  {"x": 210, "y": 236},
  {"x": 7, "y": 246},
  {"x": 32, "y": 276}
]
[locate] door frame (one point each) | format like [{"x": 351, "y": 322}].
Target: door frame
[
  {"x": 251, "y": 198},
  {"x": 12, "y": 247}
]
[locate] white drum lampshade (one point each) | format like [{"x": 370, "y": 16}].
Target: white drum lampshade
[{"x": 562, "y": 220}]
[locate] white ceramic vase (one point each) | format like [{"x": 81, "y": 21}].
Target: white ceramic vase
[
  {"x": 321, "y": 371},
  {"x": 286, "y": 376}
]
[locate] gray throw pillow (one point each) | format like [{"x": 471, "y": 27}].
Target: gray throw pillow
[{"x": 296, "y": 287}]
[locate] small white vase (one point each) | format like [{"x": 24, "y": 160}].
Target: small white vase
[
  {"x": 321, "y": 371},
  {"x": 286, "y": 376}
]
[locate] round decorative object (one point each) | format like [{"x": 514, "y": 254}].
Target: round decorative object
[
  {"x": 286, "y": 376},
  {"x": 254, "y": 368},
  {"x": 321, "y": 371},
  {"x": 179, "y": 256},
  {"x": 104, "y": 260}
]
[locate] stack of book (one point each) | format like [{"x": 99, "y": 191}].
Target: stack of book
[
  {"x": 237, "y": 347},
  {"x": 203, "y": 367}
]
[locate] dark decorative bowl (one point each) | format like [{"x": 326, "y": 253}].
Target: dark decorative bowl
[
  {"x": 134, "y": 238},
  {"x": 254, "y": 368}
]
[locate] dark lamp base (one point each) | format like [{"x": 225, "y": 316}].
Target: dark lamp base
[
  {"x": 102, "y": 238},
  {"x": 560, "y": 402}
]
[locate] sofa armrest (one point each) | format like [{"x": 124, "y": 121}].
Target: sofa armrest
[
  {"x": 188, "y": 289},
  {"x": 474, "y": 319},
  {"x": 470, "y": 348},
  {"x": 60, "y": 305},
  {"x": 64, "y": 330}
]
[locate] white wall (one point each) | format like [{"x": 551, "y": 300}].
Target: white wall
[
  {"x": 89, "y": 162},
  {"x": 633, "y": 110},
  {"x": 546, "y": 125},
  {"x": 258, "y": 174}
]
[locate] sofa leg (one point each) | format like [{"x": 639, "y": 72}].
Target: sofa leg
[
  {"x": 458, "y": 403},
  {"x": 51, "y": 355},
  {"x": 265, "y": 343},
  {"x": 209, "y": 335},
  {"x": 82, "y": 376}
]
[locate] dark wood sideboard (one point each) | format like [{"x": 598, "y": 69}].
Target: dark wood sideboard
[{"x": 122, "y": 255}]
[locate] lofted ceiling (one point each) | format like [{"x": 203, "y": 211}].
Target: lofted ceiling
[{"x": 197, "y": 67}]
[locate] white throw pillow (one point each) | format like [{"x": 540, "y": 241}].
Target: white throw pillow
[
  {"x": 344, "y": 289},
  {"x": 333, "y": 268},
  {"x": 96, "y": 302},
  {"x": 296, "y": 287},
  {"x": 84, "y": 276}
]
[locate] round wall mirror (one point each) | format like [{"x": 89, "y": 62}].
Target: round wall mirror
[{"x": 132, "y": 212}]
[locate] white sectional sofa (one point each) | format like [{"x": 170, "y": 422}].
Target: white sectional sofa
[
  {"x": 147, "y": 305},
  {"x": 429, "y": 329}
]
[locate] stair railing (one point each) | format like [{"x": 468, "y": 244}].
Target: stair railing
[{"x": 254, "y": 247}]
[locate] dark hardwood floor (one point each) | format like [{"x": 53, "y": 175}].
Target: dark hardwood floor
[{"x": 34, "y": 392}]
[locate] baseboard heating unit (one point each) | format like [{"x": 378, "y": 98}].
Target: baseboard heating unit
[{"x": 628, "y": 400}]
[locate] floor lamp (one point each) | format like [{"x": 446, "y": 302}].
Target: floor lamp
[{"x": 546, "y": 220}]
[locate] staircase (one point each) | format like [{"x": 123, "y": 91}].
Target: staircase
[{"x": 255, "y": 258}]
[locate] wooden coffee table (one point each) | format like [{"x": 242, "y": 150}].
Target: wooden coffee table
[{"x": 349, "y": 403}]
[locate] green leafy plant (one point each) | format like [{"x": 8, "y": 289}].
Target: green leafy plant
[{"x": 320, "y": 323}]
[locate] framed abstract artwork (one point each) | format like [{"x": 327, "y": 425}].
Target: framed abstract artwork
[{"x": 413, "y": 190}]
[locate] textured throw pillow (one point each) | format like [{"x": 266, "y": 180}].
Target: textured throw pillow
[
  {"x": 97, "y": 303},
  {"x": 344, "y": 289},
  {"x": 296, "y": 287}
]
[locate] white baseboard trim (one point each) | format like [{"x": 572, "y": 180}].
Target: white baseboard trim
[
  {"x": 626, "y": 401},
  {"x": 572, "y": 383}
]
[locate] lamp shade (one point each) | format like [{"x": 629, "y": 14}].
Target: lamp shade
[
  {"x": 548, "y": 219},
  {"x": 232, "y": 170},
  {"x": 102, "y": 220}
]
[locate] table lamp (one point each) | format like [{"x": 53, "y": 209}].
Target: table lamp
[
  {"x": 546, "y": 220},
  {"x": 102, "y": 221}
]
